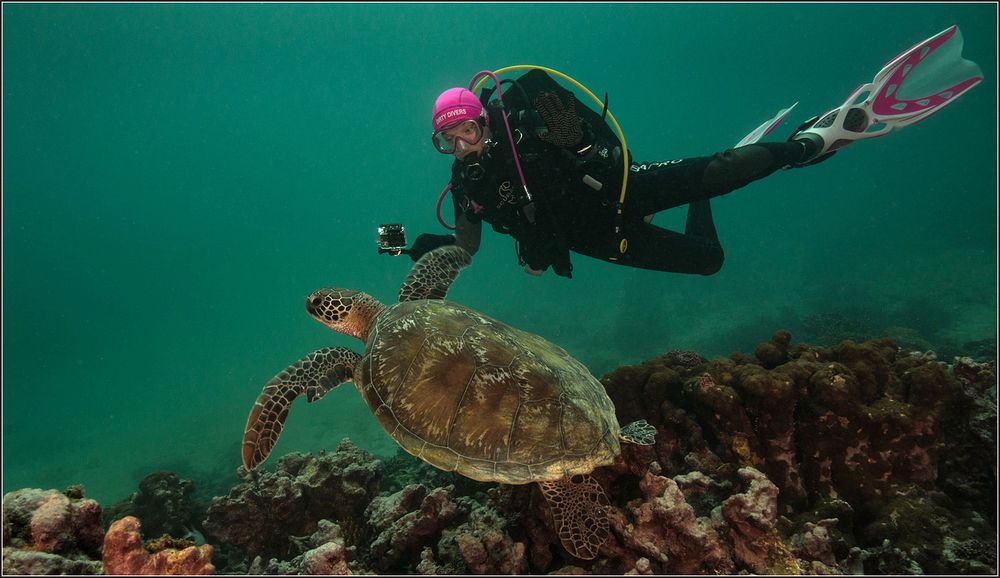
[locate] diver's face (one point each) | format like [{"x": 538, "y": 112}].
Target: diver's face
[{"x": 469, "y": 139}]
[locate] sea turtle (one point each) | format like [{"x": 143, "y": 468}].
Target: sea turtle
[{"x": 465, "y": 393}]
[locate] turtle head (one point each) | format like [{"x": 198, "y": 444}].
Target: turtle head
[{"x": 345, "y": 311}]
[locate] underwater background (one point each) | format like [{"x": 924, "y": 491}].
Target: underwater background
[{"x": 177, "y": 178}]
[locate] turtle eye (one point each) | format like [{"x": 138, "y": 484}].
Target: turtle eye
[{"x": 316, "y": 301}]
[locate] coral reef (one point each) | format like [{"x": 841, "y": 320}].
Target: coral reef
[
  {"x": 664, "y": 529},
  {"x": 406, "y": 520},
  {"x": 848, "y": 459},
  {"x": 32, "y": 563},
  {"x": 49, "y": 521},
  {"x": 403, "y": 469},
  {"x": 859, "y": 424},
  {"x": 164, "y": 504},
  {"x": 325, "y": 554},
  {"x": 799, "y": 460},
  {"x": 964, "y": 468},
  {"x": 125, "y": 553},
  {"x": 46, "y": 531},
  {"x": 479, "y": 545},
  {"x": 260, "y": 514}
]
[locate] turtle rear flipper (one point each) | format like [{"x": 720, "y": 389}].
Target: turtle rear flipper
[
  {"x": 433, "y": 274},
  {"x": 314, "y": 375},
  {"x": 579, "y": 508},
  {"x": 639, "y": 432}
]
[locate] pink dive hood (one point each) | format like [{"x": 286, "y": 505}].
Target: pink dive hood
[{"x": 454, "y": 105}]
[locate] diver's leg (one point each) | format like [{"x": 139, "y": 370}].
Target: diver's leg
[
  {"x": 650, "y": 247},
  {"x": 654, "y": 187},
  {"x": 699, "y": 221},
  {"x": 735, "y": 168}
]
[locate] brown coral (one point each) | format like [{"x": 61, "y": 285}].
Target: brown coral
[
  {"x": 407, "y": 521},
  {"x": 854, "y": 422},
  {"x": 663, "y": 527},
  {"x": 260, "y": 514}
]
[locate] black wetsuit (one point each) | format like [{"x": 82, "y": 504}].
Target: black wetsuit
[{"x": 568, "y": 214}]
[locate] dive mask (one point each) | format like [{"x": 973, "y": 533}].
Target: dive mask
[{"x": 446, "y": 138}]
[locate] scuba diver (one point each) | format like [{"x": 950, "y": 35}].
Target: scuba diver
[{"x": 538, "y": 166}]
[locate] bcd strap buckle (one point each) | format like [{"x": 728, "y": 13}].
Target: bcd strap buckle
[{"x": 529, "y": 212}]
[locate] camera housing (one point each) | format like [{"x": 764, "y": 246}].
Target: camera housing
[{"x": 391, "y": 239}]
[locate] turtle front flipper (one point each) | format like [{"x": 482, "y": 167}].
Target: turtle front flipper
[
  {"x": 314, "y": 375},
  {"x": 433, "y": 274},
  {"x": 579, "y": 508}
]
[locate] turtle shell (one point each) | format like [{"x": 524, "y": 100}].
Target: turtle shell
[{"x": 471, "y": 394}]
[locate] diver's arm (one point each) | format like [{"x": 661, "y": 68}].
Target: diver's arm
[{"x": 467, "y": 233}]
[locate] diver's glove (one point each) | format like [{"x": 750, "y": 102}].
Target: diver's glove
[
  {"x": 427, "y": 242},
  {"x": 565, "y": 127},
  {"x": 544, "y": 251}
]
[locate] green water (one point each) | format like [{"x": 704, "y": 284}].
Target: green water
[{"x": 177, "y": 178}]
